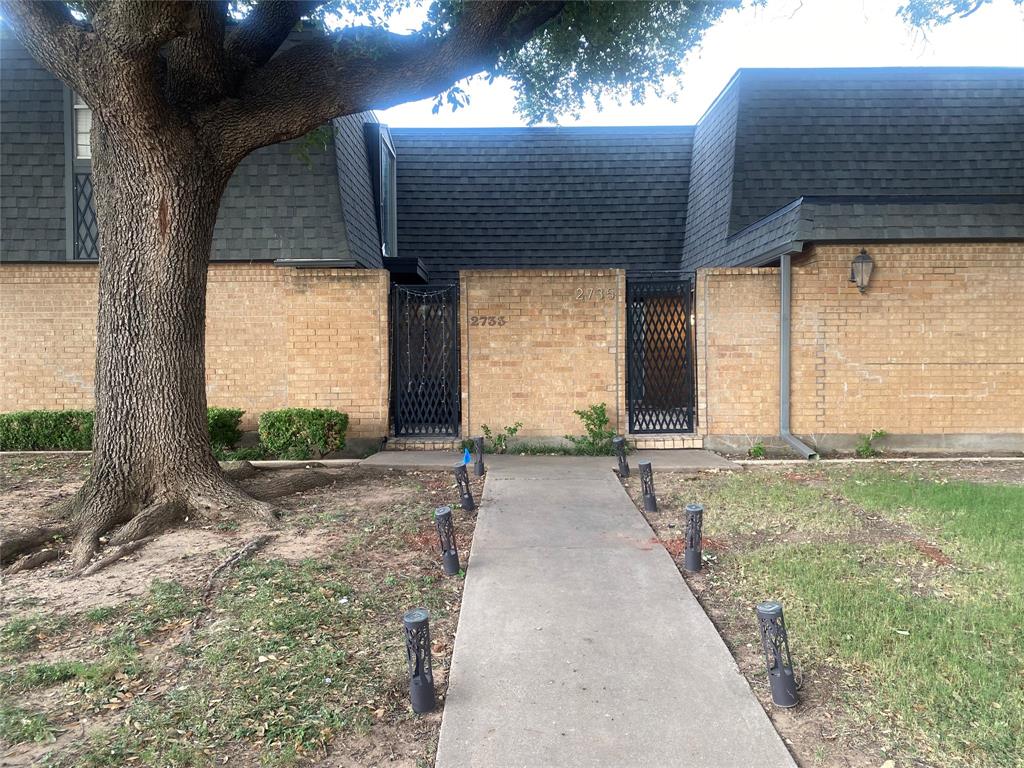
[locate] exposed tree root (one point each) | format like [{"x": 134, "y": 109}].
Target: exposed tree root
[
  {"x": 34, "y": 560},
  {"x": 244, "y": 553},
  {"x": 112, "y": 557},
  {"x": 126, "y": 520}
]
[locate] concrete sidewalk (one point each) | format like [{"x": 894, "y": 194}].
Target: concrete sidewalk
[
  {"x": 678, "y": 460},
  {"x": 579, "y": 644}
]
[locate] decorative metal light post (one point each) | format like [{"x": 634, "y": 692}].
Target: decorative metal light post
[
  {"x": 417, "y": 652},
  {"x": 462, "y": 480},
  {"x": 619, "y": 446},
  {"x": 478, "y": 468},
  {"x": 694, "y": 533},
  {"x": 775, "y": 642},
  {"x": 647, "y": 484},
  {"x": 446, "y": 537}
]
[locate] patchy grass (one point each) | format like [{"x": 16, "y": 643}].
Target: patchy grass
[
  {"x": 903, "y": 595},
  {"x": 18, "y": 726},
  {"x": 299, "y": 655}
]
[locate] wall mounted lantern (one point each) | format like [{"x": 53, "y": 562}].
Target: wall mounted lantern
[{"x": 860, "y": 270}]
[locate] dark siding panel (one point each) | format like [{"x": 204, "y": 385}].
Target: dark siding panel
[
  {"x": 277, "y": 206},
  {"x": 562, "y": 197},
  {"x": 355, "y": 185},
  {"x": 910, "y": 132},
  {"x": 31, "y": 158}
]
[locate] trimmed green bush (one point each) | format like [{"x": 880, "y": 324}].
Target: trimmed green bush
[
  {"x": 303, "y": 433},
  {"x": 224, "y": 429},
  {"x": 46, "y": 431}
]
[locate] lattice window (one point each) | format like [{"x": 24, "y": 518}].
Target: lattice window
[{"x": 87, "y": 242}]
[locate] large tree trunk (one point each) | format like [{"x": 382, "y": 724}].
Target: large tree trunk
[{"x": 156, "y": 200}]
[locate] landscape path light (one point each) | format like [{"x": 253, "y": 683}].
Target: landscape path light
[
  {"x": 647, "y": 484},
  {"x": 417, "y": 650},
  {"x": 446, "y": 537},
  {"x": 694, "y": 537},
  {"x": 619, "y": 446},
  {"x": 775, "y": 642},
  {"x": 466, "y": 494},
  {"x": 478, "y": 468}
]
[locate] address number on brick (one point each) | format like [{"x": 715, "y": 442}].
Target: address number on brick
[
  {"x": 487, "y": 320},
  {"x": 594, "y": 294}
]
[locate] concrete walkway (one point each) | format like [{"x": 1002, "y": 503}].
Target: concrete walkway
[{"x": 579, "y": 644}]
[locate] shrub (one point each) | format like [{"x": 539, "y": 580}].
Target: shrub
[
  {"x": 866, "y": 444},
  {"x": 756, "y": 451},
  {"x": 498, "y": 441},
  {"x": 224, "y": 429},
  {"x": 598, "y": 440},
  {"x": 46, "y": 431},
  {"x": 302, "y": 433}
]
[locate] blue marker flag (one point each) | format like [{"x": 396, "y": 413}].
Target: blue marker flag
[{"x": 466, "y": 457}]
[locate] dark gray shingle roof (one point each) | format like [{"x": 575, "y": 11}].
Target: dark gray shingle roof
[
  {"x": 31, "y": 157},
  {"x": 542, "y": 197}
]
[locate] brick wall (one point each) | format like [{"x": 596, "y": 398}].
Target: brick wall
[
  {"x": 274, "y": 338},
  {"x": 556, "y": 345},
  {"x": 934, "y": 347}
]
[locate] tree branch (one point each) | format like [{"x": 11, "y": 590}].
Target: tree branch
[
  {"x": 364, "y": 68},
  {"x": 54, "y": 38},
  {"x": 197, "y": 66},
  {"x": 135, "y": 27},
  {"x": 258, "y": 36}
]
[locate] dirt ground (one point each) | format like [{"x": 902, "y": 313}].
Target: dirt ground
[
  {"x": 820, "y": 731},
  {"x": 376, "y": 523}
]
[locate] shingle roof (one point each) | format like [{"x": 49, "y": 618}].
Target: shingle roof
[
  {"x": 542, "y": 197},
  {"x": 356, "y": 188},
  {"x": 912, "y": 153},
  {"x": 31, "y": 157}
]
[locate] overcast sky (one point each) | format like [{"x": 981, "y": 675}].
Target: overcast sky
[{"x": 781, "y": 33}]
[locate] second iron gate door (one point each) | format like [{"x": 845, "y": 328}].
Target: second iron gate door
[
  {"x": 660, "y": 389},
  {"x": 425, "y": 386}
]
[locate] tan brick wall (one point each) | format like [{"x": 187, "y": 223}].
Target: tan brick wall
[
  {"x": 560, "y": 348},
  {"x": 275, "y": 338},
  {"x": 737, "y": 317},
  {"x": 935, "y": 346}
]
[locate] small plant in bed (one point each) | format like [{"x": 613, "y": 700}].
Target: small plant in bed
[
  {"x": 497, "y": 441},
  {"x": 598, "y": 438}
]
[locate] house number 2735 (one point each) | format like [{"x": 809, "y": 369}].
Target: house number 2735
[
  {"x": 487, "y": 320},
  {"x": 592, "y": 294}
]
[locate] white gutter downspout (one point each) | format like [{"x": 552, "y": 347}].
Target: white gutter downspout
[{"x": 786, "y": 320}]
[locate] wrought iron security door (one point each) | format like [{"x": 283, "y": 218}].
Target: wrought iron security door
[
  {"x": 425, "y": 387},
  {"x": 660, "y": 388}
]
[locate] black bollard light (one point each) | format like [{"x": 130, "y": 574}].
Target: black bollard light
[
  {"x": 462, "y": 480},
  {"x": 417, "y": 651},
  {"x": 775, "y": 642},
  {"x": 446, "y": 536},
  {"x": 647, "y": 484},
  {"x": 478, "y": 468},
  {"x": 694, "y": 544},
  {"x": 619, "y": 446}
]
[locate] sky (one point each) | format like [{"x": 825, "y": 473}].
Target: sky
[{"x": 780, "y": 33}]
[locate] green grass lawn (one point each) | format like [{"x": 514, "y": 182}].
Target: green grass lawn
[{"x": 909, "y": 590}]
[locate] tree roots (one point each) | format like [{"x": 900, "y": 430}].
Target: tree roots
[{"x": 126, "y": 522}]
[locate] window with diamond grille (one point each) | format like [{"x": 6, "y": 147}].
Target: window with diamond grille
[
  {"x": 87, "y": 243},
  {"x": 425, "y": 360},
  {"x": 660, "y": 388}
]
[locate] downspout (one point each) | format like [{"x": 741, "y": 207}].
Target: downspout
[{"x": 786, "y": 322}]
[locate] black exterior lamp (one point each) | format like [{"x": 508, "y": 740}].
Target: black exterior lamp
[
  {"x": 416, "y": 624},
  {"x": 775, "y": 644},
  {"x": 860, "y": 270}
]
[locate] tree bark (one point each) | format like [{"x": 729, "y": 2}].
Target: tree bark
[{"x": 157, "y": 196}]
